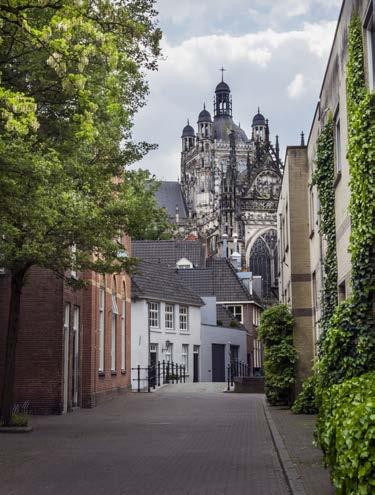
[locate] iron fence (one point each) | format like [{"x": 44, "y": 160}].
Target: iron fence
[
  {"x": 159, "y": 374},
  {"x": 238, "y": 368}
]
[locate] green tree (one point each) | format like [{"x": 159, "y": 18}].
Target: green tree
[{"x": 72, "y": 77}]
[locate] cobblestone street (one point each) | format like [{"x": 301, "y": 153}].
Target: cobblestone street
[{"x": 182, "y": 439}]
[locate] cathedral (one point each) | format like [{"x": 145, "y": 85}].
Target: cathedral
[{"x": 230, "y": 185}]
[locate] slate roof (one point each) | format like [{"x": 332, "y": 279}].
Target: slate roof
[
  {"x": 169, "y": 252},
  {"x": 156, "y": 281},
  {"x": 223, "y": 125},
  {"x": 168, "y": 196},
  {"x": 219, "y": 279}
]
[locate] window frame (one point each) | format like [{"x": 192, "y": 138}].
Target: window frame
[
  {"x": 185, "y": 356},
  {"x": 183, "y": 318},
  {"x": 369, "y": 26},
  {"x": 101, "y": 330},
  {"x": 154, "y": 309},
  {"x": 234, "y": 312},
  {"x": 338, "y": 143},
  {"x": 169, "y": 317},
  {"x": 123, "y": 335}
]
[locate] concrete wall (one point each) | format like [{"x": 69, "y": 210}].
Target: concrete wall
[
  {"x": 212, "y": 334},
  {"x": 142, "y": 337},
  {"x": 295, "y": 276}
]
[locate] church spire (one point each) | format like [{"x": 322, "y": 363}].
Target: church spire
[{"x": 223, "y": 99}]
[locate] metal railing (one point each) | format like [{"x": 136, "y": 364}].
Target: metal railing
[
  {"x": 159, "y": 374},
  {"x": 237, "y": 369}
]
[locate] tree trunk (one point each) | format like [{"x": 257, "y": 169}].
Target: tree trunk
[{"x": 7, "y": 398}]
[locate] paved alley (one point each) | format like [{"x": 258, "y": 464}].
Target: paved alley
[{"x": 183, "y": 439}]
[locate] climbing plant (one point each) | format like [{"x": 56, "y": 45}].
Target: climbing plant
[
  {"x": 323, "y": 178},
  {"x": 280, "y": 356}
]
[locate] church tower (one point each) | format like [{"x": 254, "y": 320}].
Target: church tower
[{"x": 231, "y": 184}]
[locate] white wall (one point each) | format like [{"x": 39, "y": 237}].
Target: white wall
[
  {"x": 159, "y": 336},
  {"x": 220, "y": 335}
]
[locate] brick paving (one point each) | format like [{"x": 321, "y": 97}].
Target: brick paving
[
  {"x": 297, "y": 434},
  {"x": 183, "y": 439}
]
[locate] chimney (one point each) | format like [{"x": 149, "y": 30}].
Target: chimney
[
  {"x": 224, "y": 253},
  {"x": 177, "y": 215},
  {"x": 235, "y": 257}
]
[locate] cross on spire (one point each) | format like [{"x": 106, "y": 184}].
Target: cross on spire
[{"x": 222, "y": 73}]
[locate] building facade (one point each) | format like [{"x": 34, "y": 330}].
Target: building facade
[
  {"x": 302, "y": 274},
  {"x": 166, "y": 323},
  {"x": 73, "y": 347},
  {"x": 231, "y": 184}
]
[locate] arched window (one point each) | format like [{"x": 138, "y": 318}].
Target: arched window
[{"x": 263, "y": 260}]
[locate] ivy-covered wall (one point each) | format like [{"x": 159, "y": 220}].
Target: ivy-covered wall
[{"x": 323, "y": 178}]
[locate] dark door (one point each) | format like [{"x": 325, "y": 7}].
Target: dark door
[
  {"x": 218, "y": 362},
  {"x": 153, "y": 365},
  {"x": 196, "y": 367}
]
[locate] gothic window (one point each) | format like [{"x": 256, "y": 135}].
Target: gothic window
[{"x": 263, "y": 260}]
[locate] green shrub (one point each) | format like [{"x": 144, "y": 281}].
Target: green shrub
[
  {"x": 19, "y": 419},
  {"x": 346, "y": 434},
  {"x": 306, "y": 402},
  {"x": 280, "y": 357}
]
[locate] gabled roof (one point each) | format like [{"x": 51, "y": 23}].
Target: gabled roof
[
  {"x": 169, "y": 252},
  {"x": 157, "y": 282},
  {"x": 219, "y": 279},
  {"x": 168, "y": 196}
]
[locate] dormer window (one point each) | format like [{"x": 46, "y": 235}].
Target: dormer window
[{"x": 184, "y": 263}]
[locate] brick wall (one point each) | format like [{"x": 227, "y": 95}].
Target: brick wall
[{"x": 40, "y": 358}]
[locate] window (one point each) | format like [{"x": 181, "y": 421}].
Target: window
[
  {"x": 153, "y": 315},
  {"x": 338, "y": 142},
  {"x": 286, "y": 229},
  {"x": 123, "y": 334},
  {"x": 342, "y": 291},
  {"x": 114, "y": 331},
  {"x": 236, "y": 312},
  {"x": 67, "y": 317},
  {"x": 185, "y": 356},
  {"x": 101, "y": 327},
  {"x": 169, "y": 353},
  {"x": 184, "y": 263},
  {"x": 312, "y": 211},
  {"x": 370, "y": 34},
  {"x": 184, "y": 319},
  {"x": 314, "y": 295},
  {"x": 169, "y": 317},
  {"x": 75, "y": 370},
  {"x": 73, "y": 250}
]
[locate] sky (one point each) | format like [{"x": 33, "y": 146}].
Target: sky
[{"x": 274, "y": 51}]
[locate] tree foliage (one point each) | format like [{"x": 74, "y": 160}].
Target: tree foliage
[
  {"x": 280, "y": 356},
  {"x": 72, "y": 77}
]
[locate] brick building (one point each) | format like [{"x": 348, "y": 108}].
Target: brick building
[{"x": 74, "y": 346}]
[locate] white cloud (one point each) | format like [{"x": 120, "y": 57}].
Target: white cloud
[
  {"x": 259, "y": 71},
  {"x": 296, "y": 87}
]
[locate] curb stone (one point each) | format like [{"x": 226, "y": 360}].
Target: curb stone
[
  {"x": 292, "y": 477},
  {"x": 16, "y": 429}
]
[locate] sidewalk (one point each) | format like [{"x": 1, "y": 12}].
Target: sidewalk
[{"x": 297, "y": 434}]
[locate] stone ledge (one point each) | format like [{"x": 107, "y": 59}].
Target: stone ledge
[
  {"x": 16, "y": 429},
  {"x": 249, "y": 385}
]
